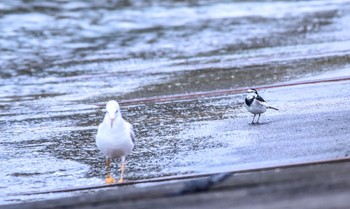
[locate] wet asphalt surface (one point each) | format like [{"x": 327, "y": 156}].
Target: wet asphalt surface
[
  {"x": 312, "y": 124},
  {"x": 60, "y": 63}
]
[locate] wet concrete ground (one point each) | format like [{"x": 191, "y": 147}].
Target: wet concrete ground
[
  {"x": 312, "y": 124},
  {"x": 60, "y": 62}
]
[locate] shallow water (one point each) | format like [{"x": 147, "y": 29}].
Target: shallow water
[{"x": 62, "y": 60}]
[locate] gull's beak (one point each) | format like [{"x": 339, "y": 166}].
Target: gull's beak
[{"x": 112, "y": 120}]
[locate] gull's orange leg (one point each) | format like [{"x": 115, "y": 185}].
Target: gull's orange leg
[
  {"x": 109, "y": 178},
  {"x": 121, "y": 180}
]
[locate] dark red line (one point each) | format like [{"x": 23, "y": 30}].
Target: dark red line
[
  {"x": 192, "y": 176},
  {"x": 221, "y": 92}
]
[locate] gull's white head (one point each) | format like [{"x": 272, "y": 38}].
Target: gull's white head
[{"x": 113, "y": 109}]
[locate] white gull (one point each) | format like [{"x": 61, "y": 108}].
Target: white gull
[{"x": 115, "y": 138}]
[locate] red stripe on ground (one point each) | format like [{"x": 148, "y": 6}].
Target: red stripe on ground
[{"x": 222, "y": 92}]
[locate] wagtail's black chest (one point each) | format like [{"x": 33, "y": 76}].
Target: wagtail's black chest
[{"x": 249, "y": 101}]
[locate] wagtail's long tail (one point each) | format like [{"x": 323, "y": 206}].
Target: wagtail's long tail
[{"x": 274, "y": 108}]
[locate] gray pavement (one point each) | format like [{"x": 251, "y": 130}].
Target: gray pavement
[{"x": 312, "y": 124}]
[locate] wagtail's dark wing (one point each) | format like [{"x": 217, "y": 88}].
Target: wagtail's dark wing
[{"x": 259, "y": 98}]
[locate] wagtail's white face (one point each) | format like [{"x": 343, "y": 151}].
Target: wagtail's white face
[
  {"x": 112, "y": 108},
  {"x": 251, "y": 93}
]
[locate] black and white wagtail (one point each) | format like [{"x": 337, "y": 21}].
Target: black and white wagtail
[{"x": 255, "y": 104}]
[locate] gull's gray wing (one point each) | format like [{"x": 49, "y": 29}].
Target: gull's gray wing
[{"x": 132, "y": 133}]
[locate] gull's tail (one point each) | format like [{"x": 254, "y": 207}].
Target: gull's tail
[{"x": 274, "y": 108}]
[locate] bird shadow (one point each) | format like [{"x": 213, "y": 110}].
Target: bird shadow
[{"x": 260, "y": 123}]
